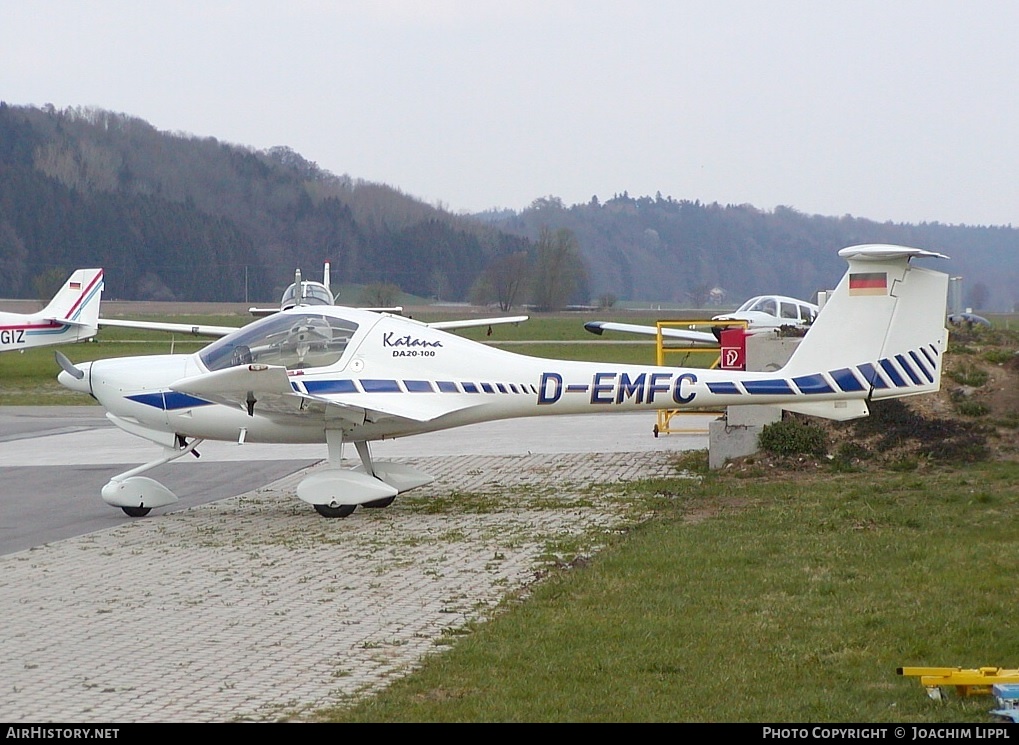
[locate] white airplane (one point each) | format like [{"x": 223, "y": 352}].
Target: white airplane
[
  {"x": 331, "y": 375},
  {"x": 761, "y": 313},
  {"x": 309, "y": 292},
  {"x": 72, "y": 315},
  {"x": 301, "y": 292}
]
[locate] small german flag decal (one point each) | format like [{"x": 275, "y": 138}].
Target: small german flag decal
[
  {"x": 75, "y": 285},
  {"x": 868, "y": 283}
]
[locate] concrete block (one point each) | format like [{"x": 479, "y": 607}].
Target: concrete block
[
  {"x": 752, "y": 416},
  {"x": 727, "y": 441}
]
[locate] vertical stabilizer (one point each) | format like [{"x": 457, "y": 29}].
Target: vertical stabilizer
[
  {"x": 77, "y": 302},
  {"x": 882, "y": 330}
]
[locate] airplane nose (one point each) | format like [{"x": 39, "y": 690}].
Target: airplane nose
[{"x": 82, "y": 383}]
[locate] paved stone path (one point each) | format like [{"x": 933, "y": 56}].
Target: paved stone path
[{"x": 256, "y": 609}]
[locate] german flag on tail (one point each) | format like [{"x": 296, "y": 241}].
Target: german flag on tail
[{"x": 868, "y": 283}]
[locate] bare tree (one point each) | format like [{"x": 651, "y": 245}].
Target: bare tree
[
  {"x": 379, "y": 295},
  {"x": 559, "y": 270},
  {"x": 508, "y": 276}
]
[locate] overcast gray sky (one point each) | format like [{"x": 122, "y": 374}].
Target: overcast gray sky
[{"x": 902, "y": 110}]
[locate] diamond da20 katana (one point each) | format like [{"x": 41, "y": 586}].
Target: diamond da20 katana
[{"x": 331, "y": 374}]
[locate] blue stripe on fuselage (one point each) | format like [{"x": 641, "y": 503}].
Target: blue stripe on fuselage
[
  {"x": 813, "y": 384},
  {"x": 169, "y": 400},
  {"x": 767, "y": 387},
  {"x": 846, "y": 380}
]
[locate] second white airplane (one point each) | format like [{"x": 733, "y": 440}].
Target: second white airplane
[
  {"x": 331, "y": 374},
  {"x": 761, "y": 313},
  {"x": 71, "y": 316}
]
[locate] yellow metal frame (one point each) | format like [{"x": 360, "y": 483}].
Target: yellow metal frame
[
  {"x": 978, "y": 681},
  {"x": 665, "y": 416}
]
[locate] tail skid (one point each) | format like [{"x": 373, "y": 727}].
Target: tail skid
[{"x": 882, "y": 331}]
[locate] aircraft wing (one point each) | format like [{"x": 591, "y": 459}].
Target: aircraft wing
[
  {"x": 265, "y": 389},
  {"x": 270, "y": 391},
  {"x": 396, "y": 310},
  {"x": 180, "y": 328},
  {"x": 262, "y": 312},
  {"x": 697, "y": 338},
  {"x": 375, "y": 407},
  {"x": 467, "y": 323},
  {"x": 207, "y": 330}
]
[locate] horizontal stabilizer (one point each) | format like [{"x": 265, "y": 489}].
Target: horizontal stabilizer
[{"x": 886, "y": 252}]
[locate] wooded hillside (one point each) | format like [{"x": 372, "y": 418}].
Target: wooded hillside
[
  {"x": 175, "y": 217},
  {"x": 170, "y": 216},
  {"x": 667, "y": 250}
]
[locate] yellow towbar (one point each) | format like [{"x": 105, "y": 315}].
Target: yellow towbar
[{"x": 973, "y": 682}]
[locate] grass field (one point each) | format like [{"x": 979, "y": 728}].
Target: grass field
[{"x": 770, "y": 599}]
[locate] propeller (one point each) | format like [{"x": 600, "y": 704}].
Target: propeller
[{"x": 68, "y": 367}]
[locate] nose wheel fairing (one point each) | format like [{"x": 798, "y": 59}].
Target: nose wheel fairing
[{"x": 136, "y": 493}]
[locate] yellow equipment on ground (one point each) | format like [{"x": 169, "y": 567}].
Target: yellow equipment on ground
[{"x": 979, "y": 681}]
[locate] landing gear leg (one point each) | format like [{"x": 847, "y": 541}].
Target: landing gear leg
[
  {"x": 364, "y": 451},
  {"x": 137, "y": 495}
]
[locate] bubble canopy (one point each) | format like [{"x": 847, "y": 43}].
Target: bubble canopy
[{"x": 293, "y": 340}]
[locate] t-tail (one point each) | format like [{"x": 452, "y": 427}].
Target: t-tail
[{"x": 881, "y": 333}]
